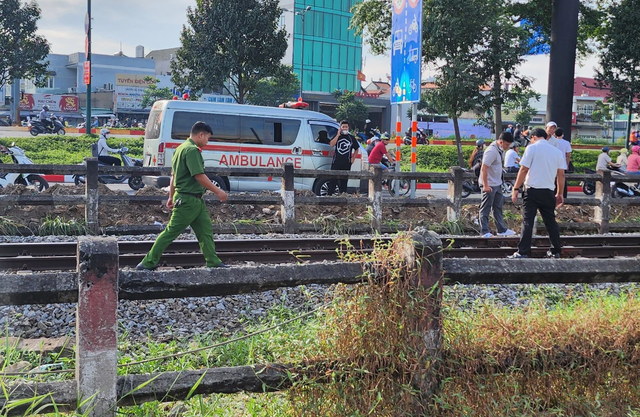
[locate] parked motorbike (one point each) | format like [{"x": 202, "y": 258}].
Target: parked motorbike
[
  {"x": 472, "y": 186},
  {"x": 38, "y": 127},
  {"x": 134, "y": 181},
  {"x": 34, "y": 181}
]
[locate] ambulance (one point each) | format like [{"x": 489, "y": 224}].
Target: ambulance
[{"x": 245, "y": 136}]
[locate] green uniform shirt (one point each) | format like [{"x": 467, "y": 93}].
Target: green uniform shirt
[{"x": 187, "y": 162}]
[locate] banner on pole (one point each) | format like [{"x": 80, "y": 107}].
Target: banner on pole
[
  {"x": 406, "y": 51},
  {"x": 87, "y": 72}
]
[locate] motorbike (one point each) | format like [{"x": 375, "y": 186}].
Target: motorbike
[
  {"x": 134, "y": 181},
  {"x": 621, "y": 189},
  {"x": 421, "y": 137},
  {"x": 588, "y": 186},
  {"x": 38, "y": 127},
  {"x": 33, "y": 181},
  {"x": 472, "y": 186}
]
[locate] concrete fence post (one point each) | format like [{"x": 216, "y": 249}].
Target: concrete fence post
[
  {"x": 375, "y": 199},
  {"x": 288, "y": 208},
  {"x": 454, "y": 194},
  {"x": 96, "y": 325},
  {"x": 603, "y": 194},
  {"x": 426, "y": 255},
  {"x": 91, "y": 194}
]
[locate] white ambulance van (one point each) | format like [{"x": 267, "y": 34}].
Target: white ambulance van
[{"x": 245, "y": 136}]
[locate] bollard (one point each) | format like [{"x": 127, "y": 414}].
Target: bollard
[
  {"x": 91, "y": 194},
  {"x": 601, "y": 213},
  {"x": 426, "y": 255},
  {"x": 288, "y": 208},
  {"x": 375, "y": 199},
  {"x": 454, "y": 194},
  {"x": 96, "y": 325}
]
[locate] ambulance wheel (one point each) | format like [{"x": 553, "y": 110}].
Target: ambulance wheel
[
  {"x": 219, "y": 182},
  {"x": 321, "y": 188}
]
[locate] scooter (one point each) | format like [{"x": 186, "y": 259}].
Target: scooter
[
  {"x": 621, "y": 189},
  {"x": 588, "y": 186},
  {"x": 34, "y": 181},
  {"x": 38, "y": 127},
  {"x": 134, "y": 181},
  {"x": 421, "y": 137},
  {"x": 472, "y": 186}
]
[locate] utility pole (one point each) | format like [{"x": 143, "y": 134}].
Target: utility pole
[
  {"x": 627, "y": 140},
  {"x": 564, "y": 39}
]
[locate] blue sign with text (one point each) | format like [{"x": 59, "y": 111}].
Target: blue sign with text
[{"x": 406, "y": 51}]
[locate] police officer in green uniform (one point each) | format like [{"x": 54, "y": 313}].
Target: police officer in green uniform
[{"x": 188, "y": 185}]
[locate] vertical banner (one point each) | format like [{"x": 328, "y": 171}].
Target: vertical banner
[
  {"x": 406, "y": 60},
  {"x": 406, "y": 51}
]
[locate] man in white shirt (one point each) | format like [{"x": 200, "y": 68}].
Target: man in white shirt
[
  {"x": 551, "y": 130},
  {"x": 104, "y": 149},
  {"x": 541, "y": 169},
  {"x": 491, "y": 185},
  {"x": 512, "y": 158},
  {"x": 564, "y": 146},
  {"x": 604, "y": 160}
]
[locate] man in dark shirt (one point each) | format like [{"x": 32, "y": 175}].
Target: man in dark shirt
[{"x": 346, "y": 150}]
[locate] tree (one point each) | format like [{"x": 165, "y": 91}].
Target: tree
[
  {"x": 152, "y": 93},
  {"x": 518, "y": 103},
  {"x": 236, "y": 41},
  {"x": 22, "y": 52},
  {"x": 273, "y": 91},
  {"x": 602, "y": 113},
  {"x": 350, "y": 108},
  {"x": 620, "y": 53}
]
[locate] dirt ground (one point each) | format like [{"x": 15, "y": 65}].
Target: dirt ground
[{"x": 139, "y": 214}]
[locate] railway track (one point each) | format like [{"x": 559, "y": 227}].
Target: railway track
[{"x": 62, "y": 256}]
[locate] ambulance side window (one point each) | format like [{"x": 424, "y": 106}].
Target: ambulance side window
[
  {"x": 266, "y": 131},
  {"x": 323, "y": 133},
  {"x": 226, "y": 127}
]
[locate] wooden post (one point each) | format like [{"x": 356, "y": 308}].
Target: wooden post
[
  {"x": 96, "y": 325},
  {"x": 426, "y": 256},
  {"x": 375, "y": 199},
  {"x": 454, "y": 194},
  {"x": 603, "y": 194},
  {"x": 288, "y": 208},
  {"x": 91, "y": 194}
]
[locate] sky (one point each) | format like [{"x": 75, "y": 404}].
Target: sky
[{"x": 157, "y": 25}]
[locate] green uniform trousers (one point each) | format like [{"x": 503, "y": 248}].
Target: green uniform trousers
[{"x": 187, "y": 211}]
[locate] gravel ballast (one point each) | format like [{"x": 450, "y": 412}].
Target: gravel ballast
[{"x": 179, "y": 318}]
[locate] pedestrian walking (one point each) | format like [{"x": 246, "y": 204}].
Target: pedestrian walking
[
  {"x": 541, "y": 170},
  {"x": 346, "y": 151},
  {"x": 188, "y": 185},
  {"x": 491, "y": 186}
]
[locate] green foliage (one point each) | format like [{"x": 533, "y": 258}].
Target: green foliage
[
  {"x": 372, "y": 20},
  {"x": 518, "y": 103},
  {"x": 350, "y": 108},
  {"x": 68, "y": 150},
  {"x": 22, "y": 52},
  {"x": 620, "y": 54},
  {"x": 237, "y": 41},
  {"x": 152, "y": 93},
  {"x": 58, "y": 226},
  {"x": 273, "y": 91}
]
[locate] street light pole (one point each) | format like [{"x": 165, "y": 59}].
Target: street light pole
[{"x": 302, "y": 13}]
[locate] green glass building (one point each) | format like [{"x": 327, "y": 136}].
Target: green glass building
[{"x": 332, "y": 52}]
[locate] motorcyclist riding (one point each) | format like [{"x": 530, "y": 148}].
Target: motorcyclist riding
[
  {"x": 104, "y": 149},
  {"x": 44, "y": 117},
  {"x": 604, "y": 161}
]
